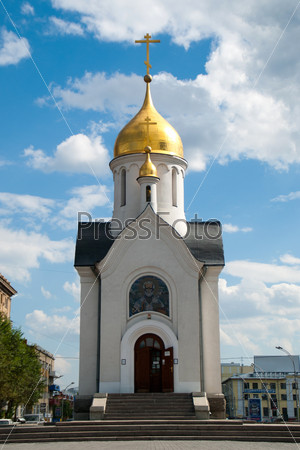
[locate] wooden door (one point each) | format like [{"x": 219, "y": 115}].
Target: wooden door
[
  {"x": 155, "y": 370},
  {"x": 142, "y": 370},
  {"x": 167, "y": 370}
]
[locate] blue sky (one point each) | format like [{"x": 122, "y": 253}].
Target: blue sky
[{"x": 226, "y": 76}]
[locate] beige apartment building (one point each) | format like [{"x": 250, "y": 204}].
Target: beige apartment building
[{"x": 6, "y": 292}]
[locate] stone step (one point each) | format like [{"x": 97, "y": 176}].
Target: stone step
[
  {"x": 162, "y": 431},
  {"x": 149, "y": 402},
  {"x": 149, "y": 406},
  {"x": 150, "y": 399},
  {"x": 134, "y": 433},
  {"x": 153, "y": 438},
  {"x": 165, "y": 436},
  {"x": 120, "y": 418},
  {"x": 211, "y": 426},
  {"x": 203, "y": 423},
  {"x": 149, "y": 395},
  {"x": 149, "y": 430},
  {"x": 147, "y": 410}
]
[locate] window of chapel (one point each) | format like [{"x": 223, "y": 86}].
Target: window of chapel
[
  {"x": 174, "y": 187},
  {"x": 123, "y": 187}
]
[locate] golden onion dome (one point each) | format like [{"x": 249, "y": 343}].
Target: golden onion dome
[
  {"x": 148, "y": 169},
  {"x": 148, "y": 128}
]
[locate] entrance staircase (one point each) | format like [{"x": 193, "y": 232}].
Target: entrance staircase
[
  {"x": 143, "y": 430},
  {"x": 158, "y": 406},
  {"x": 143, "y": 417}
]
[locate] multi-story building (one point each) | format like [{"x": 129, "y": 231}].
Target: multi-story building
[
  {"x": 277, "y": 390},
  {"x": 48, "y": 375},
  {"x": 6, "y": 292},
  {"x": 230, "y": 369}
]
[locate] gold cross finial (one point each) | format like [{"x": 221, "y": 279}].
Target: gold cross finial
[
  {"x": 147, "y": 41},
  {"x": 148, "y": 122}
]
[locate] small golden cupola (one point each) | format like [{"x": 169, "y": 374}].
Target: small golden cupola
[
  {"x": 148, "y": 128},
  {"x": 148, "y": 169}
]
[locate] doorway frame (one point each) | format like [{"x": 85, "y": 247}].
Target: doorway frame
[{"x": 127, "y": 350}]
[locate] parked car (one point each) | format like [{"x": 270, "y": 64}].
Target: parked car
[
  {"x": 5, "y": 422},
  {"x": 34, "y": 418},
  {"x": 21, "y": 420}
]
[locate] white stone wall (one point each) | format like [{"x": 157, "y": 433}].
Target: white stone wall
[
  {"x": 88, "y": 330},
  {"x": 211, "y": 330},
  {"x": 168, "y": 259}
]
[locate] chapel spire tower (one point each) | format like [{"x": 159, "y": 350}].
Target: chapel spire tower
[{"x": 149, "y": 130}]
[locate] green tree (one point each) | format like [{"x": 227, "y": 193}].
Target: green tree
[
  {"x": 66, "y": 409},
  {"x": 20, "y": 369}
]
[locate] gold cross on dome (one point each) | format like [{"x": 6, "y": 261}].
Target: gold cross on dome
[
  {"x": 148, "y": 122},
  {"x": 147, "y": 41}
]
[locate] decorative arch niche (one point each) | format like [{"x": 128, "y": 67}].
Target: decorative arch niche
[{"x": 149, "y": 293}]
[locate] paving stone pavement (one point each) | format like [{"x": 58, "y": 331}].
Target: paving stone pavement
[{"x": 153, "y": 445}]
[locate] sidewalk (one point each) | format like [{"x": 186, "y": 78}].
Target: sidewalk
[{"x": 153, "y": 445}]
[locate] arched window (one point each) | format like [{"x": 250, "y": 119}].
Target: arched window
[
  {"x": 123, "y": 187},
  {"x": 174, "y": 187},
  {"x": 148, "y": 194}
]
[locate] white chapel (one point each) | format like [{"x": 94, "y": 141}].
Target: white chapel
[{"x": 149, "y": 320}]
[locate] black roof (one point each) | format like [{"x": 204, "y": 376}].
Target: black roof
[{"x": 203, "y": 239}]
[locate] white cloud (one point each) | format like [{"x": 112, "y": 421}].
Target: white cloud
[
  {"x": 36, "y": 207},
  {"x": 290, "y": 259},
  {"x": 85, "y": 198},
  {"x": 22, "y": 251},
  {"x": 62, "y": 366},
  {"x": 64, "y": 27},
  {"x": 287, "y": 197},
  {"x": 27, "y": 9},
  {"x": 209, "y": 127},
  {"x": 262, "y": 310},
  {"x": 77, "y": 154},
  {"x": 116, "y": 21},
  {"x": 229, "y": 228},
  {"x": 267, "y": 273},
  {"x": 252, "y": 298},
  {"x": 12, "y": 49},
  {"x": 100, "y": 92},
  {"x": 245, "y": 106},
  {"x": 3, "y": 163},
  {"x": 62, "y": 310},
  {"x": 73, "y": 289},
  {"x": 255, "y": 317},
  {"x": 46, "y": 294},
  {"x": 82, "y": 204},
  {"x": 257, "y": 333},
  {"x": 55, "y": 325},
  {"x": 34, "y": 210}
]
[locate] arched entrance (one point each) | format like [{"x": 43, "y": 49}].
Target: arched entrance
[{"x": 153, "y": 365}]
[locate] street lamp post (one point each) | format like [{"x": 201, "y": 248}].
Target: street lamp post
[
  {"x": 62, "y": 401},
  {"x": 295, "y": 377}
]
